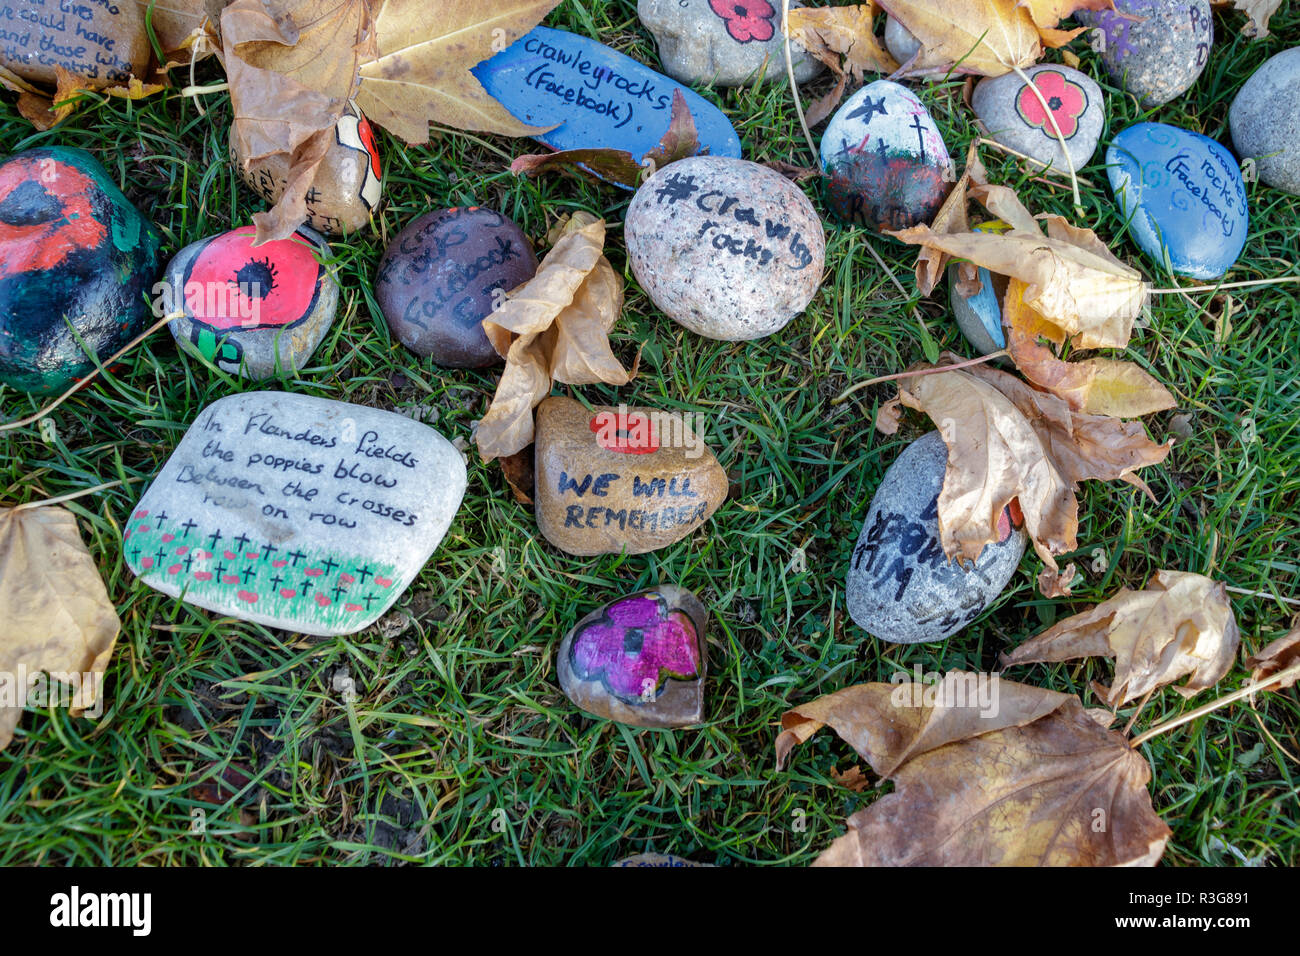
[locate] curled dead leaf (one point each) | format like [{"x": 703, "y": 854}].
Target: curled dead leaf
[
  {"x": 845, "y": 40},
  {"x": 1277, "y": 656},
  {"x": 58, "y": 618},
  {"x": 1180, "y": 625},
  {"x": 553, "y": 327},
  {"x": 988, "y": 38},
  {"x": 985, "y": 772}
]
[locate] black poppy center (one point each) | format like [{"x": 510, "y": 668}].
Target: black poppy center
[
  {"x": 30, "y": 205},
  {"x": 740, "y": 11},
  {"x": 632, "y": 641},
  {"x": 1054, "y": 103},
  {"x": 256, "y": 278}
]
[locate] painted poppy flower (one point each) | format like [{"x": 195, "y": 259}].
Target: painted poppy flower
[
  {"x": 232, "y": 285},
  {"x": 1066, "y": 100},
  {"x": 355, "y": 132},
  {"x": 746, "y": 19},
  {"x": 635, "y": 645},
  {"x": 631, "y": 433},
  {"x": 45, "y": 214}
]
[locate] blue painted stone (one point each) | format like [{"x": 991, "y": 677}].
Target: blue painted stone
[
  {"x": 599, "y": 97},
  {"x": 980, "y": 316},
  {"x": 1183, "y": 195}
]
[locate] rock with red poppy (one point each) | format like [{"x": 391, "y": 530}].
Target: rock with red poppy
[
  {"x": 259, "y": 311},
  {"x": 886, "y": 163},
  {"x": 727, "y": 248},
  {"x": 442, "y": 276},
  {"x": 1016, "y": 117},
  {"x": 295, "y": 512},
  {"x": 77, "y": 265},
  {"x": 615, "y": 480},
  {"x": 723, "y": 42},
  {"x": 100, "y": 43},
  {"x": 640, "y": 660},
  {"x": 347, "y": 188},
  {"x": 1154, "y": 49},
  {"x": 901, "y": 586}
]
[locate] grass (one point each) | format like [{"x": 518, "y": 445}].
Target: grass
[{"x": 458, "y": 746}]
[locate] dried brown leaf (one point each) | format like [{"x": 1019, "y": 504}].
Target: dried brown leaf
[
  {"x": 680, "y": 140},
  {"x": 520, "y": 474},
  {"x": 1277, "y": 656},
  {"x": 1258, "y": 13},
  {"x": 1180, "y": 625},
  {"x": 56, "y": 612},
  {"x": 1047, "y": 14},
  {"x": 853, "y": 778},
  {"x": 951, "y": 218},
  {"x": 843, "y": 39},
  {"x": 553, "y": 328},
  {"x": 613, "y": 165},
  {"x": 1020, "y": 777},
  {"x": 989, "y": 38}
]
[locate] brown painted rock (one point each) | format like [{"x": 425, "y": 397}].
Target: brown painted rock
[
  {"x": 640, "y": 660},
  {"x": 347, "y": 188},
  {"x": 103, "y": 42},
  {"x": 621, "y": 479},
  {"x": 440, "y": 277}
]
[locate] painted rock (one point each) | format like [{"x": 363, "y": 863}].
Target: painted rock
[
  {"x": 658, "y": 860},
  {"x": 980, "y": 316},
  {"x": 887, "y": 164},
  {"x": 295, "y": 512},
  {"x": 71, "y": 245},
  {"x": 1183, "y": 196},
  {"x": 1155, "y": 49},
  {"x": 616, "y": 480},
  {"x": 728, "y": 248},
  {"x": 899, "y": 41},
  {"x": 101, "y": 43},
  {"x": 597, "y": 96},
  {"x": 440, "y": 277},
  {"x": 259, "y": 311},
  {"x": 347, "y": 188},
  {"x": 640, "y": 660},
  {"x": 723, "y": 42},
  {"x": 1015, "y": 117},
  {"x": 901, "y": 586},
  {"x": 1265, "y": 121}
]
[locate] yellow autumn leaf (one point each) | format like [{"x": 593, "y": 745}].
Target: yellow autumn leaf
[{"x": 989, "y": 37}]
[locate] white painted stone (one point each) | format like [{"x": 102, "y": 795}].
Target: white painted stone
[{"x": 296, "y": 512}]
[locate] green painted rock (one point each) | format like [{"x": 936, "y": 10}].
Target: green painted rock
[{"x": 77, "y": 260}]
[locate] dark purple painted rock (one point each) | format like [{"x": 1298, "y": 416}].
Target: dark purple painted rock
[{"x": 440, "y": 277}]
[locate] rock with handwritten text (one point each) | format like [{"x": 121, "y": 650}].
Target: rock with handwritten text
[
  {"x": 1265, "y": 121},
  {"x": 1182, "y": 196},
  {"x": 295, "y": 512},
  {"x": 901, "y": 586},
  {"x": 615, "y": 480},
  {"x": 595, "y": 97},
  {"x": 886, "y": 162},
  {"x": 723, "y": 42},
  {"x": 640, "y": 660},
  {"x": 1155, "y": 49},
  {"x": 442, "y": 275},
  {"x": 258, "y": 311},
  {"x": 979, "y": 316},
  {"x": 1015, "y": 117},
  {"x": 347, "y": 187},
  {"x": 658, "y": 860},
  {"x": 77, "y": 264},
  {"x": 100, "y": 43},
  {"x": 728, "y": 248}
]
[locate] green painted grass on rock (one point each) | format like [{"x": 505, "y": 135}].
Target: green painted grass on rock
[{"x": 447, "y": 740}]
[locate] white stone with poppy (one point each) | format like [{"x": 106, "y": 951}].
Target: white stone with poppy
[
  {"x": 723, "y": 42},
  {"x": 257, "y": 311},
  {"x": 295, "y": 512},
  {"x": 1015, "y": 117}
]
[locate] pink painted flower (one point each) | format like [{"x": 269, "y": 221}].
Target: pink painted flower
[
  {"x": 635, "y": 645},
  {"x": 746, "y": 19},
  {"x": 1066, "y": 100}
]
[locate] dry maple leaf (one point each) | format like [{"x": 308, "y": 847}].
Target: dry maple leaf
[
  {"x": 1277, "y": 656},
  {"x": 56, "y": 612},
  {"x": 1072, "y": 280},
  {"x": 987, "y": 37},
  {"x": 844, "y": 39},
  {"x": 1180, "y": 625},
  {"x": 985, "y": 772},
  {"x": 1100, "y": 386},
  {"x": 553, "y": 327}
]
